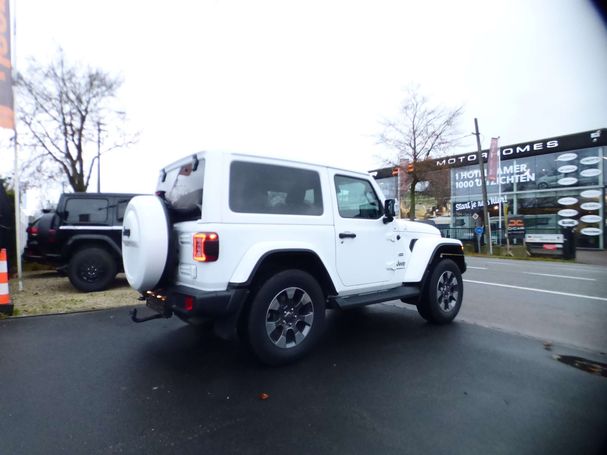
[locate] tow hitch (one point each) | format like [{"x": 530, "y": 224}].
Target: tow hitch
[
  {"x": 134, "y": 317},
  {"x": 157, "y": 303}
]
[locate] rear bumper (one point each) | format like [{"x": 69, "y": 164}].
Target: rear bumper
[
  {"x": 205, "y": 304},
  {"x": 222, "y": 307}
]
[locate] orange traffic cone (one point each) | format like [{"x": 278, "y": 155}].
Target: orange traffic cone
[{"x": 5, "y": 299}]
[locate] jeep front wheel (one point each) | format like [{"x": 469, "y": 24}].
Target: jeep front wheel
[
  {"x": 92, "y": 269},
  {"x": 286, "y": 317},
  {"x": 442, "y": 297}
]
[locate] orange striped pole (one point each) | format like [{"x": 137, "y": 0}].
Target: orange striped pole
[{"x": 5, "y": 299}]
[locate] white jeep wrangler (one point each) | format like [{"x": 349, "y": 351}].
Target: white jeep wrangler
[{"x": 263, "y": 246}]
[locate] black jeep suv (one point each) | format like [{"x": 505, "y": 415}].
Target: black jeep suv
[{"x": 82, "y": 238}]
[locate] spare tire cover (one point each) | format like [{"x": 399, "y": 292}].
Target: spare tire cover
[{"x": 145, "y": 242}]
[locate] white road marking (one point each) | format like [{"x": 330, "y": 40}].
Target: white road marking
[
  {"x": 581, "y": 296},
  {"x": 596, "y": 269},
  {"x": 561, "y": 276},
  {"x": 552, "y": 265},
  {"x": 479, "y": 268}
]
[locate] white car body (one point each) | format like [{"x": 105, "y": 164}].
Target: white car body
[{"x": 356, "y": 251}]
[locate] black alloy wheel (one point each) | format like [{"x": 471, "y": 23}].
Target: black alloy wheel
[{"x": 92, "y": 269}]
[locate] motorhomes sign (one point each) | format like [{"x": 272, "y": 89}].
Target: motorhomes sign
[{"x": 525, "y": 149}]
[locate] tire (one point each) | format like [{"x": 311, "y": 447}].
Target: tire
[
  {"x": 442, "y": 296},
  {"x": 146, "y": 243},
  {"x": 286, "y": 317},
  {"x": 92, "y": 269}
]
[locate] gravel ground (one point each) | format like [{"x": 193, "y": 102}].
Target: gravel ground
[{"x": 46, "y": 292}]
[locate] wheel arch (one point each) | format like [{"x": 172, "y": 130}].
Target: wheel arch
[
  {"x": 427, "y": 252},
  {"x": 293, "y": 258},
  {"x": 79, "y": 242}
]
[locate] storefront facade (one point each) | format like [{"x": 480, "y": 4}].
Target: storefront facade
[{"x": 551, "y": 184}]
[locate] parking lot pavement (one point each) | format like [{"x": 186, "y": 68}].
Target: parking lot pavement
[{"x": 382, "y": 381}]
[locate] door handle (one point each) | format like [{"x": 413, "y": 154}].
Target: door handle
[{"x": 347, "y": 235}]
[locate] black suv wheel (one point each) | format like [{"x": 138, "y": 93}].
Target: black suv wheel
[{"x": 92, "y": 269}]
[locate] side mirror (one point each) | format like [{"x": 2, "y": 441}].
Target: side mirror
[{"x": 389, "y": 211}]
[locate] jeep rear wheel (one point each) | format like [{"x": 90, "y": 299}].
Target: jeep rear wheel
[
  {"x": 442, "y": 297},
  {"x": 286, "y": 317},
  {"x": 92, "y": 269}
]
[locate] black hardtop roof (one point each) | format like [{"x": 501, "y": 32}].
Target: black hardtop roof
[{"x": 97, "y": 195}]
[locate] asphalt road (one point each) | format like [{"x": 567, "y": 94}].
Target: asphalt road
[
  {"x": 382, "y": 382},
  {"x": 558, "y": 302}
]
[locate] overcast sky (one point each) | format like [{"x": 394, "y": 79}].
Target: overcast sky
[{"x": 312, "y": 79}]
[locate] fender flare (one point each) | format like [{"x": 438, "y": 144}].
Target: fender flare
[
  {"x": 69, "y": 246},
  {"x": 425, "y": 252},
  {"x": 258, "y": 253}
]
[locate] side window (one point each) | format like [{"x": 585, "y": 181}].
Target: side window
[
  {"x": 265, "y": 188},
  {"x": 120, "y": 208},
  {"x": 86, "y": 211},
  {"x": 356, "y": 198}
]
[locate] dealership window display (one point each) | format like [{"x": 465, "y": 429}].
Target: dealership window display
[{"x": 554, "y": 184}]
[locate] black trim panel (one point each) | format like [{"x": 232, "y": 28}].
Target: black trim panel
[{"x": 401, "y": 292}]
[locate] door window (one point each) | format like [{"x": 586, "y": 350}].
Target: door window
[{"x": 356, "y": 198}]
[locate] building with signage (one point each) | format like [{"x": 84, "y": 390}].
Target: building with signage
[{"x": 550, "y": 184}]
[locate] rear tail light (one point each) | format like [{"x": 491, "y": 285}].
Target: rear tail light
[
  {"x": 188, "y": 303},
  {"x": 32, "y": 230},
  {"x": 206, "y": 247}
]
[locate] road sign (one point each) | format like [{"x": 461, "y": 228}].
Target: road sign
[
  {"x": 478, "y": 230},
  {"x": 516, "y": 227},
  {"x": 475, "y": 216}
]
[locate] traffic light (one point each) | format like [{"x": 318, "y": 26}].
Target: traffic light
[{"x": 410, "y": 168}]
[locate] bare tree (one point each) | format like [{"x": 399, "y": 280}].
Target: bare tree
[
  {"x": 62, "y": 107},
  {"x": 421, "y": 131}
]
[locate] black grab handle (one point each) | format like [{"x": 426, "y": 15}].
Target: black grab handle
[{"x": 347, "y": 235}]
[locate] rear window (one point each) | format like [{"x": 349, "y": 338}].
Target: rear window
[
  {"x": 183, "y": 187},
  {"x": 86, "y": 211},
  {"x": 265, "y": 188}
]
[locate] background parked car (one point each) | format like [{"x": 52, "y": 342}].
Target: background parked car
[{"x": 81, "y": 238}]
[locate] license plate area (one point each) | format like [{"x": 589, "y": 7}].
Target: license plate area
[{"x": 158, "y": 304}]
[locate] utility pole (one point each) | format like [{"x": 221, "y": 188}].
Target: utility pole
[
  {"x": 98, "y": 156},
  {"x": 484, "y": 185}
]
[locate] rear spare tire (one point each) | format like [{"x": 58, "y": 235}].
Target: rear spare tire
[{"x": 145, "y": 242}]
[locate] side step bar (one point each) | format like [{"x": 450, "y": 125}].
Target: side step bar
[{"x": 401, "y": 292}]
